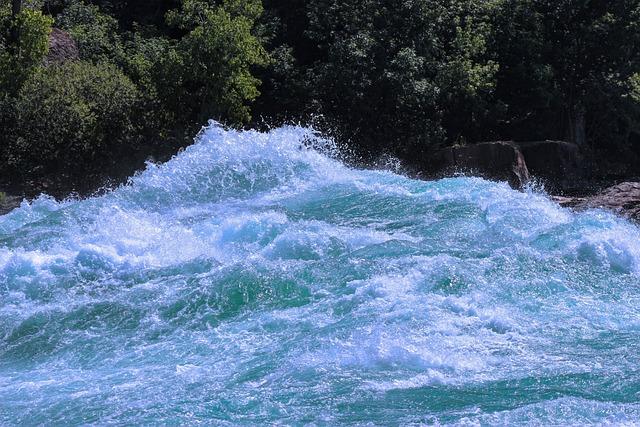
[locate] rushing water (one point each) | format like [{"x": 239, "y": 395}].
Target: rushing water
[{"x": 253, "y": 279}]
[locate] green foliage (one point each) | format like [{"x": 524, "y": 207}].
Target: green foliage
[
  {"x": 71, "y": 119},
  {"x": 392, "y": 76},
  {"x": 387, "y": 76},
  {"x": 95, "y": 32},
  {"x": 212, "y": 63},
  {"x": 145, "y": 62},
  {"x": 404, "y": 76},
  {"x": 19, "y": 59},
  {"x": 136, "y": 15},
  {"x": 565, "y": 64},
  {"x": 634, "y": 87},
  {"x": 152, "y": 81}
]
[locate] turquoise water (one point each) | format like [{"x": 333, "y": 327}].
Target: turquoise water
[{"x": 254, "y": 280}]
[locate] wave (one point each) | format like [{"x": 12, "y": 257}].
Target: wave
[{"x": 255, "y": 278}]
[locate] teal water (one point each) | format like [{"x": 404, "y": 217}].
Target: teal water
[{"x": 254, "y": 279}]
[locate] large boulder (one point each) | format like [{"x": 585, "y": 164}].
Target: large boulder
[
  {"x": 62, "y": 48},
  {"x": 8, "y": 203},
  {"x": 623, "y": 199},
  {"x": 557, "y": 164},
  {"x": 502, "y": 161}
]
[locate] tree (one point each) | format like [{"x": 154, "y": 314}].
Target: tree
[
  {"x": 96, "y": 33},
  {"x": 73, "y": 121},
  {"x": 389, "y": 75},
  {"x": 16, "y": 8},
  {"x": 208, "y": 72},
  {"x": 19, "y": 57},
  {"x": 560, "y": 60}
]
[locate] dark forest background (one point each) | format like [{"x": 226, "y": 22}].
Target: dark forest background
[{"x": 385, "y": 77}]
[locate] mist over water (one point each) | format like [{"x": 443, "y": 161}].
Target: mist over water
[{"x": 255, "y": 279}]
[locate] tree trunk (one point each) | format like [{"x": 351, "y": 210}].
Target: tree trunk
[
  {"x": 577, "y": 131},
  {"x": 16, "y": 7},
  {"x": 580, "y": 128}
]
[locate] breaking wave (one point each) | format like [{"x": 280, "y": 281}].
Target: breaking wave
[{"x": 255, "y": 278}]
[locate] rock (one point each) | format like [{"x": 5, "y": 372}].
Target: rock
[
  {"x": 8, "y": 203},
  {"x": 567, "y": 201},
  {"x": 556, "y": 163},
  {"x": 502, "y": 161},
  {"x": 62, "y": 48},
  {"x": 495, "y": 160},
  {"x": 623, "y": 199}
]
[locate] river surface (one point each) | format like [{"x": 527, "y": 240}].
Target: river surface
[{"x": 256, "y": 279}]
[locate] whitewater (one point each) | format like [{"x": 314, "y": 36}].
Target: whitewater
[{"x": 256, "y": 279}]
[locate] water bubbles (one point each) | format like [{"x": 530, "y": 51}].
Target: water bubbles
[{"x": 254, "y": 278}]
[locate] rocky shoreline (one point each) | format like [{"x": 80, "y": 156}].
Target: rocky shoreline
[
  {"x": 623, "y": 199},
  {"x": 557, "y": 165},
  {"x": 9, "y": 203}
]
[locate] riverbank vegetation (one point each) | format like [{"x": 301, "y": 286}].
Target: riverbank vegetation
[{"x": 398, "y": 77}]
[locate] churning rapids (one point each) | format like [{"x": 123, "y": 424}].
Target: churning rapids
[{"x": 255, "y": 279}]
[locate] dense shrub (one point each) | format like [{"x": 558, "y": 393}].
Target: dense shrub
[
  {"x": 390, "y": 76},
  {"x": 72, "y": 119},
  {"x": 19, "y": 58},
  {"x": 95, "y": 32},
  {"x": 386, "y": 76},
  {"x": 565, "y": 69},
  {"x": 214, "y": 60},
  {"x": 406, "y": 76},
  {"x": 144, "y": 84}
]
